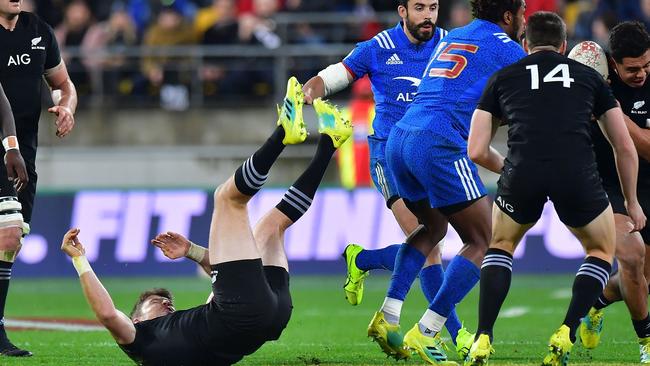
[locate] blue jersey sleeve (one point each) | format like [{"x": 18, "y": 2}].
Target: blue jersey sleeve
[{"x": 359, "y": 61}]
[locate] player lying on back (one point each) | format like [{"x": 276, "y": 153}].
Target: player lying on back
[
  {"x": 548, "y": 101},
  {"x": 394, "y": 60},
  {"x": 250, "y": 280},
  {"x": 630, "y": 56}
]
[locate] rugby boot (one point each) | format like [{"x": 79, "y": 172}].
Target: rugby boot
[
  {"x": 354, "y": 279},
  {"x": 559, "y": 348},
  {"x": 290, "y": 114},
  {"x": 480, "y": 351},
  {"x": 331, "y": 122},
  {"x": 388, "y": 337},
  {"x": 430, "y": 349},
  {"x": 464, "y": 341},
  {"x": 590, "y": 328}
]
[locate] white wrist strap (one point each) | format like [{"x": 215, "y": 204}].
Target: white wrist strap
[
  {"x": 195, "y": 253},
  {"x": 81, "y": 264},
  {"x": 10, "y": 143}
]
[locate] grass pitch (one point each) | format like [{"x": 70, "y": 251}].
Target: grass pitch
[{"x": 324, "y": 329}]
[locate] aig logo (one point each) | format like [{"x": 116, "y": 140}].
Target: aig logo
[
  {"x": 18, "y": 60},
  {"x": 508, "y": 207}
]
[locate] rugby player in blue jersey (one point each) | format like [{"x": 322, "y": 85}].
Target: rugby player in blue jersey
[
  {"x": 394, "y": 60},
  {"x": 427, "y": 153}
]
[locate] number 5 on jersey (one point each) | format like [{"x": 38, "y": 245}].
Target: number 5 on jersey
[
  {"x": 446, "y": 55},
  {"x": 551, "y": 77}
]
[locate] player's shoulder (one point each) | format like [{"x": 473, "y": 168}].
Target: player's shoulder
[
  {"x": 383, "y": 40},
  {"x": 33, "y": 21}
]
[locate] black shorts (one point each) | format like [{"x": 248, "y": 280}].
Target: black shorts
[
  {"x": 577, "y": 194},
  {"x": 251, "y": 305},
  {"x": 618, "y": 206},
  {"x": 26, "y": 196}
]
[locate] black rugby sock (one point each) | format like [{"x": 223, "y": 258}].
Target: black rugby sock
[
  {"x": 5, "y": 277},
  {"x": 496, "y": 275},
  {"x": 642, "y": 327},
  {"x": 602, "y": 302},
  {"x": 298, "y": 198},
  {"x": 251, "y": 176},
  {"x": 587, "y": 286}
]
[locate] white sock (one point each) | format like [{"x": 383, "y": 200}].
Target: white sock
[
  {"x": 392, "y": 308},
  {"x": 431, "y": 323}
]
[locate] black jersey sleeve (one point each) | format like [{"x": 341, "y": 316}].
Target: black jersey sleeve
[
  {"x": 52, "y": 54},
  {"x": 604, "y": 98},
  {"x": 489, "y": 101}
]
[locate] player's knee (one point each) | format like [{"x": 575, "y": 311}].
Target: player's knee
[
  {"x": 11, "y": 226},
  {"x": 631, "y": 257},
  {"x": 228, "y": 194}
]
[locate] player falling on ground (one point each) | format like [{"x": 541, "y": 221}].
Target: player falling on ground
[
  {"x": 28, "y": 54},
  {"x": 250, "y": 282},
  {"x": 427, "y": 153},
  {"x": 395, "y": 60},
  {"x": 548, "y": 101},
  {"x": 630, "y": 53}
]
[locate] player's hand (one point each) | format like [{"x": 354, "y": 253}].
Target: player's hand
[
  {"x": 64, "y": 120},
  {"x": 173, "y": 245},
  {"x": 635, "y": 212},
  {"x": 308, "y": 99},
  {"x": 71, "y": 244},
  {"x": 16, "y": 170}
]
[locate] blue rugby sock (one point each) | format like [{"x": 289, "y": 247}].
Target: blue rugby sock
[
  {"x": 431, "y": 279},
  {"x": 378, "y": 259},
  {"x": 408, "y": 264},
  {"x": 460, "y": 278}
]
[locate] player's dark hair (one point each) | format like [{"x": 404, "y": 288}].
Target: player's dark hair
[
  {"x": 403, "y": 3},
  {"x": 163, "y": 292},
  {"x": 492, "y": 10},
  {"x": 628, "y": 39},
  {"x": 545, "y": 28}
]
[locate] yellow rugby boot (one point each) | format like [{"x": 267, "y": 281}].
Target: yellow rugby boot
[
  {"x": 354, "y": 280},
  {"x": 590, "y": 328},
  {"x": 388, "y": 337},
  {"x": 290, "y": 114},
  {"x": 430, "y": 349},
  {"x": 331, "y": 122},
  {"x": 644, "y": 349},
  {"x": 559, "y": 348},
  {"x": 464, "y": 340},
  {"x": 480, "y": 352}
]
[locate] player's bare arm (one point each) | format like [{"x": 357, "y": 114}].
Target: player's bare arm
[
  {"x": 613, "y": 126},
  {"x": 59, "y": 80},
  {"x": 16, "y": 170},
  {"x": 174, "y": 246},
  {"x": 117, "y": 323},
  {"x": 329, "y": 81},
  {"x": 481, "y": 133},
  {"x": 640, "y": 137}
]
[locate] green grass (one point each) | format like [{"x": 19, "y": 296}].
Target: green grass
[{"x": 324, "y": 329}]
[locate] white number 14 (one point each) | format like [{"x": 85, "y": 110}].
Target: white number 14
[{"x": 552, "y": 76}]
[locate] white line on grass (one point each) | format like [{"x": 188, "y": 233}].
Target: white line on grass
[
  {"x": 67, "y": 327},
  {"x": 514, "y": 312}
]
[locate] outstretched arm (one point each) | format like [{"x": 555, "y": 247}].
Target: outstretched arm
[
  {"x": 117, "y": 323},
  {"x": 174, "y": 246},
  {"x": 65, "y": 107},
  {"x": 13, "y": 159},
  {"x": 329, "y": 81}
]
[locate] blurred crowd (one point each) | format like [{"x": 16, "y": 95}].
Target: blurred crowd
[{"x": 97, "y": 30}]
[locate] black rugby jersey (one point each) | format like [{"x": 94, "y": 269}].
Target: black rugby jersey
[
  {"x": 548, "y": 100},
  {"x": 26, "y": 54},
  {"x": 635, "y": 103}
]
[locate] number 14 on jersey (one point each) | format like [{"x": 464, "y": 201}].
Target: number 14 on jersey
[{"x": 559, "y": 74}]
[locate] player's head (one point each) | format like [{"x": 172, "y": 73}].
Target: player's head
[
  {"x": 10, "y": 7},
  {"x": 152, "y": 304},
  {"x": 545, "y": 29},
  {"x": 419, "y": 17},
  {"x": 508, "y": 14},
  {"x": 630, "y": 48}
]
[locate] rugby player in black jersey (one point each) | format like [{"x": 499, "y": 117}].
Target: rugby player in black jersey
[
  {"x": 29, "y": 52},
  {"x": 250, "y": 282},
  {"x": 548, "y": 100},
  {"x": 629, "y": 68}
]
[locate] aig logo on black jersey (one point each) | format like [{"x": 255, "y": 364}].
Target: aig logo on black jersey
[
  {"x": 505, "y": 205},
  {"x": 18, "y": 60},
  {"x": 35, "y": 44}
]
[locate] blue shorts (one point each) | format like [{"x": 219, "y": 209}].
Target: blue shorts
[
  {"x": 381, "y": 175},
  {"x": 429, "y": 166}
]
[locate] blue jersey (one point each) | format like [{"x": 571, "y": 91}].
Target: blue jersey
[
  {"x": 454, "y": 79},
  {"x": 395, "y": 66}
]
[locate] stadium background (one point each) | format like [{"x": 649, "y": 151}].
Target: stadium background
[{"x": 173, "y": 96}]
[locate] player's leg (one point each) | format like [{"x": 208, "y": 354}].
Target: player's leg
[
  {"x": 629, "y": 283},
  {"x": 12, "y": 228},
  {"x": 496, "y": 276},
  {"x": 598, "y": 238},
  {"x": 269, "y": 231}
]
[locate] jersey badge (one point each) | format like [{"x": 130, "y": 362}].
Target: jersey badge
[
  {"x": 394, "y": 60},
  {"x": 35, "y": 43}
]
